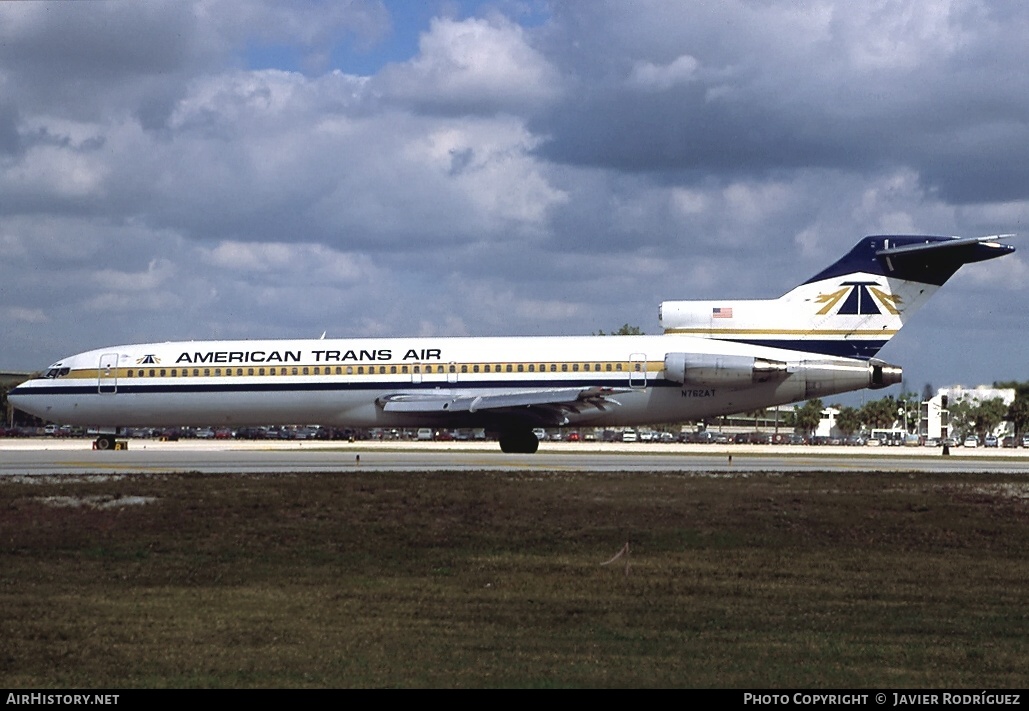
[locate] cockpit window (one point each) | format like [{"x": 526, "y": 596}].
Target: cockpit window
[{"x": 57, "y": 372}]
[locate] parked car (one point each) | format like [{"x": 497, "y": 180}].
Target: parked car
[{"x": 971, "y": 441}]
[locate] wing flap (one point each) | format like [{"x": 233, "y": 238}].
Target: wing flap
[{"x": 471, "y": 401}]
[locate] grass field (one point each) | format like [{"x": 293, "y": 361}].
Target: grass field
[{"x": 469, "y": 580}]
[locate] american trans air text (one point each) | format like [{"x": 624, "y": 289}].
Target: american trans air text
[{"x": 381, "y": 355}]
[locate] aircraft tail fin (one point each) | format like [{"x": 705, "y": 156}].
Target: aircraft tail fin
[{"x": 852, "y": 308}]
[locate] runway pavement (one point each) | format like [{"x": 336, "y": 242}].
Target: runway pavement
[{"x": 43, "y": 457}]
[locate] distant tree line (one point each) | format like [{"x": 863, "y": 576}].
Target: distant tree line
[
  {"x": 966, "y": 416},
  {"x": 624, "y": 330}
]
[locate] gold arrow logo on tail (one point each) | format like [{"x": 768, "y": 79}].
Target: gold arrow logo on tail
[
  {"x": 890, "y": 302},
  {"x": 831, "y": 300}
]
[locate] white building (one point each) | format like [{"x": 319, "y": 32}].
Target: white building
[
  {"x": 978, "y": 394},
  {"x": 934, "y": 420},
  {"x": 827, "y": 425}
]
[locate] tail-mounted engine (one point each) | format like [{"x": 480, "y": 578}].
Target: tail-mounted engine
[
  {"x": 809, "y": 377},
  {"x": 727, "y": 371}
]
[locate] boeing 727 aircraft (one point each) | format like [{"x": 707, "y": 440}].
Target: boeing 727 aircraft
[{"x": 715, "y": 358}]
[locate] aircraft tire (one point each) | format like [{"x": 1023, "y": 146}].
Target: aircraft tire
[
  {"x": 519, "y": 442},
  {"x": 531, "y": 443},
  {"x": 508, "y": 443},
  {"x": 105, "y": 443}
]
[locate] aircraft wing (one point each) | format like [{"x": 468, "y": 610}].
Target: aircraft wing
[{"x": 538, "y": 403}]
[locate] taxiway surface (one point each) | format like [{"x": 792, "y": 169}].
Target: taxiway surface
[{"x": 39, "y": 457}]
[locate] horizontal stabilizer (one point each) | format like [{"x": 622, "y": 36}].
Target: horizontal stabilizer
[
  {"x": 958, "y": 243},
  {"x": 934, "y": 260}
]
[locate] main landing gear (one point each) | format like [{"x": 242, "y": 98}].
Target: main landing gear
[
  {"x": 519, "y": 442},
  {"x": 105, "y": 442}
]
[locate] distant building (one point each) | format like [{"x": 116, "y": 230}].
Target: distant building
[
  {"x": 827, "y": 425},
  {"x": 934, "y": 418},
  {"x": 980, "y": 393},
  {"x": 934, "y": 414}
]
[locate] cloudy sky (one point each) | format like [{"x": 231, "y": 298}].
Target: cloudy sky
[{"x": 190, "y": 170}]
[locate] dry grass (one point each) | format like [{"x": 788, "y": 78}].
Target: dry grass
[{"x": 364, "y": 579}]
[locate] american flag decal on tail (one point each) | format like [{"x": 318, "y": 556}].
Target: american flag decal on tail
[{"x": 721, "y": 312}]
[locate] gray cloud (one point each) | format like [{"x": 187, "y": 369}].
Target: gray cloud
[{"x": 745, "y": 89}]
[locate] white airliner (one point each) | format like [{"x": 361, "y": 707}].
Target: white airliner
[{"x": 715, "y": 357}]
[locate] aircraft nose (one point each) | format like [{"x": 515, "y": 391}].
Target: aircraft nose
[{"x": 22, "y": 398}]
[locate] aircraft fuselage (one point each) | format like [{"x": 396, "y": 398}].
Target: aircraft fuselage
[{"x": 345, "y": 382}]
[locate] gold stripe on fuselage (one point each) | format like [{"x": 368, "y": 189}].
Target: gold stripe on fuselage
[{"x": 523, "y": 368}]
